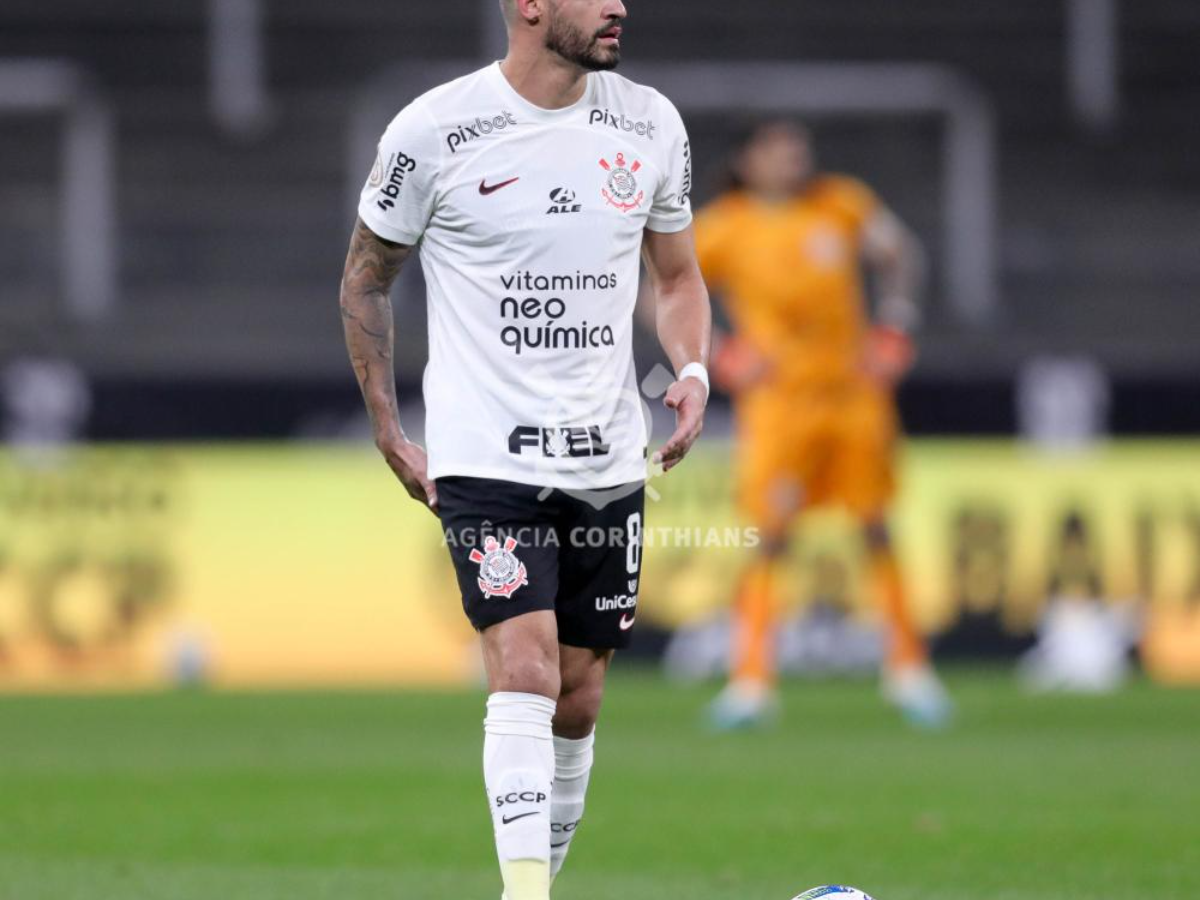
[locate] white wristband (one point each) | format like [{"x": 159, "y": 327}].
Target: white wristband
[{"x": 696, "y": 370}]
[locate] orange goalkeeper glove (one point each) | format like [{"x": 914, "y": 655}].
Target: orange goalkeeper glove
[
  {"x": 736, "y": 365},
  {"x": 889, "y": 354}
]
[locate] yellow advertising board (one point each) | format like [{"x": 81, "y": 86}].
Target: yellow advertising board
[
  {"x": 307, "y": 564},
  {"x": 985, "y": 529},
  {"x": 261, "y": 565}
]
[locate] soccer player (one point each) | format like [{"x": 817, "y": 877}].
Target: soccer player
[
  {"x": 812, "y": 381},
  {"x": 531, "y": 188}
]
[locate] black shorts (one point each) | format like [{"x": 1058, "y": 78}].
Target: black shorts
[{"x": 519, "y": 548}]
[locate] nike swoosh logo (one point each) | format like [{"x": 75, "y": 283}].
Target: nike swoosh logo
[
  {"x": 485, "y": 188},
  {"x": 563, "y": 844},
  {"x": 627, "y": 621},
  {"x": 507, "y": 820}
]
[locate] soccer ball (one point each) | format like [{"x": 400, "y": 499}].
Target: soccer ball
[{"x": 833, "y": 892}]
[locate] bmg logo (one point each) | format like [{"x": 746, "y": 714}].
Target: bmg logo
[{"x": 402, "y": 166}]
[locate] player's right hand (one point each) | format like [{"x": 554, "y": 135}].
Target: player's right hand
[{"x": 411, "y": 465}]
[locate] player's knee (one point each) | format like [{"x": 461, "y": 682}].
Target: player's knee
[
  {"x": 577, "y": 711},
  {"x": 773, "y": 545},
  {"x": 528, "y": 675},
  {"x": 785, "y": 498},
  {"x": 877, "y": 534}
]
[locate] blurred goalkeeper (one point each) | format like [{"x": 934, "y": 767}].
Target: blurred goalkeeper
[{"x": 812, "y": 379}]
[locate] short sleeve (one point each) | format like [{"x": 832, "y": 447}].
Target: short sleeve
[
  {"x": 853, "y": 200},
  {"x": 398, "y": 199},
  {"x": 671, "y": 210}
]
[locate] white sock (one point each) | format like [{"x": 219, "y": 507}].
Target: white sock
[
  {"x": 572, "y": 768},
  {"x": 518, "y": 769}
]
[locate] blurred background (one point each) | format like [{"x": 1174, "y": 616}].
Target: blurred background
[
  {"x": 187, "y": 486},
  {"x": 189, "y": 495}
]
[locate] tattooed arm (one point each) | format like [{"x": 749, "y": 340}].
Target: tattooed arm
[{"x": 371, "y": 266}]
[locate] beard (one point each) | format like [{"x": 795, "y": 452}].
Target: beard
[{"x": 581, "y": 49}]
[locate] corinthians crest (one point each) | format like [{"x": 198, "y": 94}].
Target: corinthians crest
[
  {"x": 622, "y": 190},
  {"x": 558, "y": 442},
  {"x": 500, "y": 572}
]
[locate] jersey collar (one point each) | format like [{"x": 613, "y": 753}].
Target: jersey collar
[{"x": 537, "y": 113}]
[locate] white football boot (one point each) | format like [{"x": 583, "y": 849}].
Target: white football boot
[
  {"x": 919, "y": 694},
  {"x": 744, "y": 705}
]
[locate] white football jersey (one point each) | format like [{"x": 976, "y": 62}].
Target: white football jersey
[{"x": 530, "y": 227}]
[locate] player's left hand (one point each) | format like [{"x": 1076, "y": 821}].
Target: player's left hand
[{"x": 688, "y": 398}]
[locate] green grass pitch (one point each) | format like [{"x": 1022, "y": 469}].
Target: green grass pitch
[{"x": 365, "y": 796}]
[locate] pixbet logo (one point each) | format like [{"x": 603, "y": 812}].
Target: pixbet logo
[
  {"x": 562, "y": 200},
  {"x": 622, "y": 123},
  {"x": 464, "y": 134}
]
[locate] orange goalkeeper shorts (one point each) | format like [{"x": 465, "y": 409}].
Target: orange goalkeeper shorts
[{"x": 799, "y": 448}]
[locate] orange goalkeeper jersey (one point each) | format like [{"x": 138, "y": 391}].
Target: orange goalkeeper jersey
[{"x": 790, "y": 276}]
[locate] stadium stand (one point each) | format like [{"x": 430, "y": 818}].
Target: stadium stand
[{"x": 240, "y": 242}]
